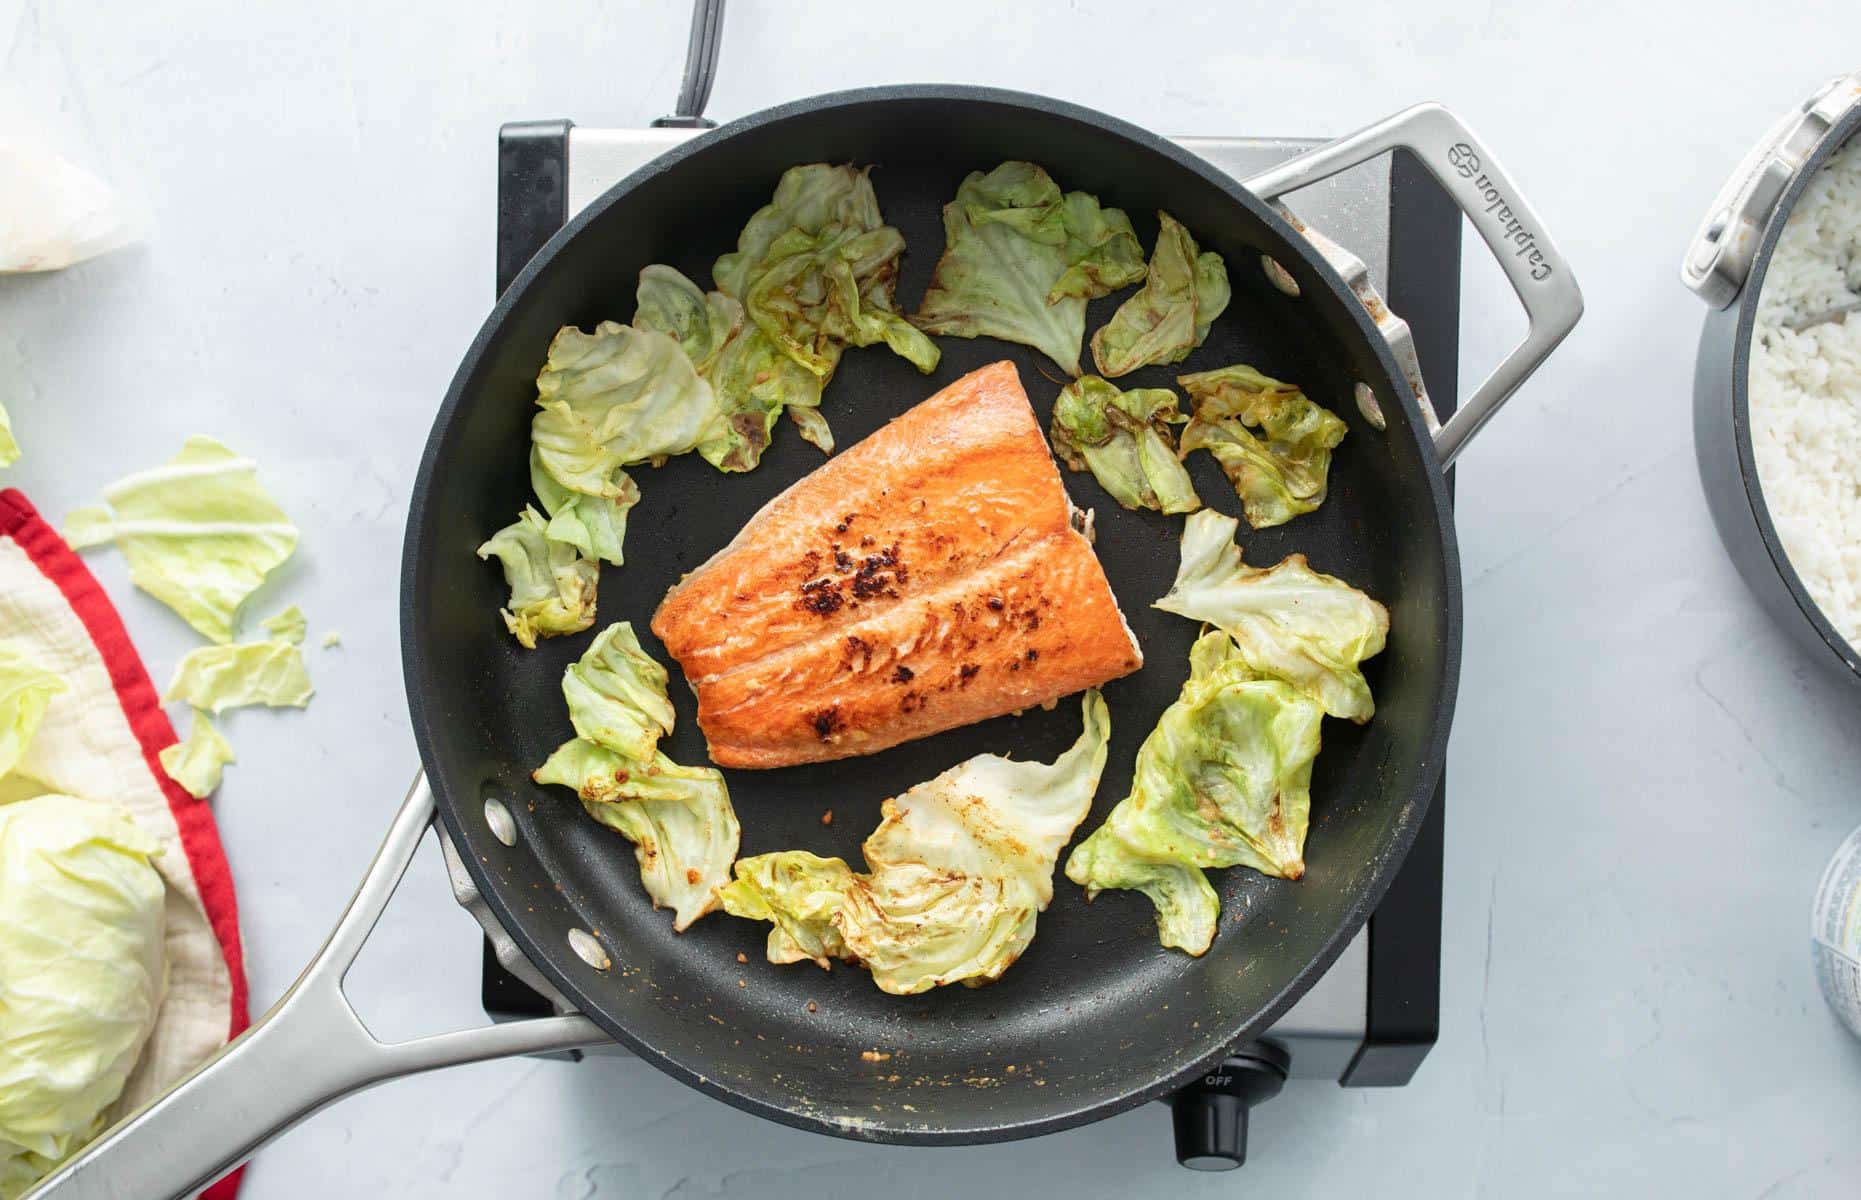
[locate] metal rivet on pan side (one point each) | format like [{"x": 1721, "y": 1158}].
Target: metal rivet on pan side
[
  {"x": 588, "y": 949},
  {"x": 1279, "y": 276},
  {"x": 503, "y": 825},
  {"x": 1367, "y": 405}
]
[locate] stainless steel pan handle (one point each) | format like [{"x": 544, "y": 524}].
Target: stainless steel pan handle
[
  {"x": 1470, "y": 174},
  {"x": 309, "y": 1050}
]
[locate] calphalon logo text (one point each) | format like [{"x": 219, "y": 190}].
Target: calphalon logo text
[{"x": 1462, "y": 158}]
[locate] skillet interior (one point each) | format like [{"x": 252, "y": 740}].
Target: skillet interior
[{"x": 1095, "y": 1016}]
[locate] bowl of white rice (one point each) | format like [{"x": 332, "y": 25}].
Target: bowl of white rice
[{"x": 1777, "y": 388}]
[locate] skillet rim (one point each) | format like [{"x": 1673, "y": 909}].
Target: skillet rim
[{"x": 1061, "y": 1115}]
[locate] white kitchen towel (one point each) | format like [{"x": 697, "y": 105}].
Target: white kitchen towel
[{"x": 101, "y": 739}]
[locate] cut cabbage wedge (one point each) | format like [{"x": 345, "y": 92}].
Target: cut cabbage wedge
[{"x": 82, "y": 921}]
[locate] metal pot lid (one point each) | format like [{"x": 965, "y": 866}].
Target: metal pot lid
[{"x": 1718, "y": 260}]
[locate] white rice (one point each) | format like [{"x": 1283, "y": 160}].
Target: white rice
[{"x": 1806, "y": 392}]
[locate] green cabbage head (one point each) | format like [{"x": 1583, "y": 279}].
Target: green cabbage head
[{"x": 81, "y": 974}]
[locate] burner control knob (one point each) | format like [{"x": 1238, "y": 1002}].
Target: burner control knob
[{"x": 1210, "y": 1114}]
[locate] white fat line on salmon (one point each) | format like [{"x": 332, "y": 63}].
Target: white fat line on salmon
[{"x": 176, "y": 472}]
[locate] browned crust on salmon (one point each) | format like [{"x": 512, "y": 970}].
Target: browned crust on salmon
[{"x": 926, "y": 578}]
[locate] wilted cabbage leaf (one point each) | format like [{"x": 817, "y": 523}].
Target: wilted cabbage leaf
[
  {"x": 1184, "y": 291},
  {"x": 613, "y": 398},
  {"x": 216, "y": 678},
  {"x": 596, "y": 525},
  {"x": 1020, "y": 260},
  {"x": 1281, "y": 472},
  {"x": 200, "y": 533},
  {"x": 798, "y": 893},
  {"x": 956, "y": 875},
  {"x": 1287, "y": 621},
  {"x": 679, "y": 818},
  {"x": 1224, "y": 780},
  {"x": 813, "y": 199},
  {"x": 672, "y": 304},
  {"x": 1124, "y": 439},
  {"x": 750, "y": 376},
  {"x": 814, "y": 295},
  {"x": 196, "y": 763},
  {"x": 81, "y": 973},
  {"x": 552, "y": 587},
  {"x": 9, "y": 449},
  {"x": 616, "y": 694},
  {"x": 26, "y": 688},
  {"x": 815, "y": 270}
]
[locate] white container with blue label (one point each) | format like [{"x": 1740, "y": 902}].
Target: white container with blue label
[{"x": 1835, "y": 933}]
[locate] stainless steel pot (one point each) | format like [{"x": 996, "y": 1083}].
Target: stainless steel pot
[{"x": 1725, "y": 266}]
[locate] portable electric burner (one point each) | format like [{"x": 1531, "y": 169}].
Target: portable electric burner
[{"x": 1372, "y": 1018}]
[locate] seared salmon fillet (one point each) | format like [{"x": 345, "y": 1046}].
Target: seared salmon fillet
[{"x": 929, "y": 577}]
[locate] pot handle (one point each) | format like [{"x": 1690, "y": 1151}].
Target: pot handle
[
  {"x": 1469, "y": 174},
  {"x": 309, "y": 1050}
]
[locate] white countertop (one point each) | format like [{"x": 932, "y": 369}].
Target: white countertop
[{"x": 1646, "y": 779}]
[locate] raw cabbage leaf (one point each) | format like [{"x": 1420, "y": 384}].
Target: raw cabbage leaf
[
  {"x": 196, "y": 763},
  {"x": 26, "y": 689},
  {"x": 1224, "y": 780},
  {"x": 596, "y": 525},
  {"x": 216, "y": 678},
  {"x": 1279, "y": 473},
  {"x": 82, "y": 915},
  {"x": 679, "y": 818},
  {"x": 287, "y": 626},
  {"x": 750, "y": 376},
  {"x": 1124, "y": 439},
  {"x": 1288, "y": 621},
  {"x": 552, "y": 587},
  {"x": 9, "y": 448},
  {"x": 1020, "y": 260},
  {"x": 956, "y": 874},
  {"x": 200, "y": 533},
  {"x": 614, "y": 398},
  {"x": 1184, "y": 291}
]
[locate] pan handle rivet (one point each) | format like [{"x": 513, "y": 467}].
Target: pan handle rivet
[
  {"x": 1279, "y": 276},
  {"x": 1367, "y": 405},
  {"x": 588, "y": 949},
  {"x": 503, "y": 826}
]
